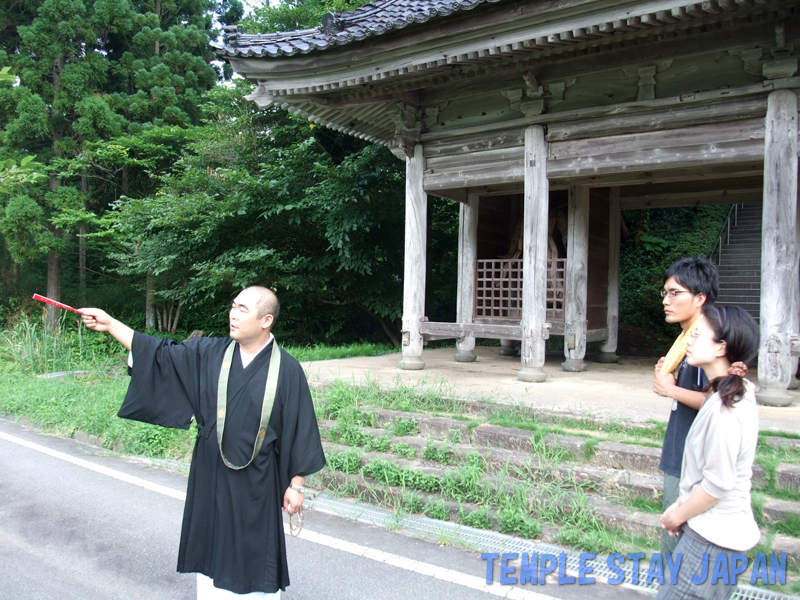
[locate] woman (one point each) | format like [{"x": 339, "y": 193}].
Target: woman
[{"x": 713, "y": 514}]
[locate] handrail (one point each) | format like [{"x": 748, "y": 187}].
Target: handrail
[{"x": 726, "y": 225}]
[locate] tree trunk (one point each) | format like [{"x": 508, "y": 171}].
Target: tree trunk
[
  {"x": 82, "y": 243},
  {"x": 149, "y": 305},
  {"x": 53, "y": 258},
  {"x": 53, "y": 287}
]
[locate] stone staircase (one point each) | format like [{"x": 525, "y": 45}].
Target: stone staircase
[
  {"x": 739, "y": 260},
  {"x": 591, "y": 473}
]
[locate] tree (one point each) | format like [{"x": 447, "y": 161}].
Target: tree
[{"x": 92, "y": 71}]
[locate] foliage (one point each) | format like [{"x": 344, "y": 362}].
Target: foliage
[
  {"x": 658, "y": 238},
  {"x": 83, "y": 73},
  {"x": 294, "y": 14}
]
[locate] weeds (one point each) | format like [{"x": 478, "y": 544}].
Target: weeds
[
  {"x": 348, "y": 461},
  {"x": 438, "y": 510},
  {"x": 403, "y": 449},
  {"x": 402, "y": 427},
  {"x": 477, "y": 518}
]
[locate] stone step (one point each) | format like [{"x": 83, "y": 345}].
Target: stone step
[
  {"x": 741, "y": 283},
  {"x": 745, "y": 263},
  {"x": 783, "y": 443},
  {"x": 613, "y": 515},
  {"x": 622, "y": 459},
  {"x": 740, "y": 250},
  {"x": 779, "y": 510},
  {"x": 749, "y": 304},
  {"x": 738, "y": 291},
  {"x": 734, "y": 271},
  {"x": 787, "y": 477}
]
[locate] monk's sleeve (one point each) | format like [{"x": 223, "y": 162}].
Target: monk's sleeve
[
  {"x": 301, "y": 449},
  {"x": 164, "y": 382}
]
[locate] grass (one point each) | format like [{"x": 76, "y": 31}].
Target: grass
[
  {"x": 89, "y": 404},
  {"x": 519, "y": 504},
  {"x": 322, "y": 352}
]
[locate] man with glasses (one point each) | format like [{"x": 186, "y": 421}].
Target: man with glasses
[{"x": 688, "y": 284}]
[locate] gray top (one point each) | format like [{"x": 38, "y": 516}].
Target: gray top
[
  {"x": 338, "y": 29},
  {"x": 719, "y": 453}
]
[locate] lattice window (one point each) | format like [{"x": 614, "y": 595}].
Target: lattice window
[{"x": 498, "y": 289}]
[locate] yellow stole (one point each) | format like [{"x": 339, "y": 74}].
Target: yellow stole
[{"x": 678, "y": 350}]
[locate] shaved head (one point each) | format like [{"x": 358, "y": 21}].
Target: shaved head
[{"x": 267, "y": 303}]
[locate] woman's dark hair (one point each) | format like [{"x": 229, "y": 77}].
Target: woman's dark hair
[{"x": 739, "y": 330}]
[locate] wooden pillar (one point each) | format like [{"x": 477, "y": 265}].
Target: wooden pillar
[
  {"x": 795, "y": 296},
  {"x": 534, "y": 256},
  {"x": 575, "y": 284},
  {"x": 778, "y": 267},
  {"x": 467, "y": 255},
  {"x": 608, "y": 351},
  {"x": 414, "y": 262}
]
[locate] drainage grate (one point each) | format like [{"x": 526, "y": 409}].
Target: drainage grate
[
  {"x": 468, "y": 537},
  {"x": 493, "y": 541}
]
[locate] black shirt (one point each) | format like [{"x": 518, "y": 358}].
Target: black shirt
[{"x": 680, "y": 419}]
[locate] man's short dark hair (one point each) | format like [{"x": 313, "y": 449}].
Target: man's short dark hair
[{"x": 697, "y": 274}]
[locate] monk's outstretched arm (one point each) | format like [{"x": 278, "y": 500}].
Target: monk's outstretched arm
[{"x": 99, "y": 320}]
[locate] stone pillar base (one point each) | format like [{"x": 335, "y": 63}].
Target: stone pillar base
[
  {"x": 465, "y": 356},
  {"x": 773, "y": 397},
  {"x": 412, "y": 363},
  {"x": 532, "y": 375},
  {"x": 574, "y": 365},
  {"x": 607, "y": 357},
  {"x": 794, "y": 383}
]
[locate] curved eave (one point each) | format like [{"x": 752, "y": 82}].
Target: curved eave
[
  {"x": 558, "y": 33},
  {"x": 369, "y": 21},
  {"x": 371, "y": 122}
]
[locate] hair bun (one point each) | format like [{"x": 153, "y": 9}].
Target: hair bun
[{"x": 738, "y": 368}]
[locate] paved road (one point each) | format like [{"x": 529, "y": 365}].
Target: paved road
[{"x": 79, "y": 524}]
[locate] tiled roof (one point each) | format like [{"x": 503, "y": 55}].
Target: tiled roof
[{"x": 338, "y": 29}]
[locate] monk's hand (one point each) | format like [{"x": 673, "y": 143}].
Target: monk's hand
[
  {"x": 663, "y": 383},
  {"x": 292, "y": 501},
  {"x": 96, "y": 319},
  {"x": 670, "y": 520}
]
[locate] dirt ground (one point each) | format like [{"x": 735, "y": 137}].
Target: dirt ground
[{"x": 616, "y": 392}]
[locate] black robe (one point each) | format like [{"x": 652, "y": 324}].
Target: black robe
[{"x": 232, "y": 522}]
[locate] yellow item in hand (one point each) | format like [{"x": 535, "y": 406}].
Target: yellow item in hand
[{"x": 678, "y": 350}]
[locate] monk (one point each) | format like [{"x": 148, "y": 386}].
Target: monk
[{"x": 232, "y": 533}]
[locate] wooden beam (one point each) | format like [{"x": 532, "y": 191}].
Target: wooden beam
[
  {"x": 432, "y": 330},
  {"x": 656, "y": 137},
  {"x": 689, "y": 148},
  {"x": 732, "y": 196},
  {"x": 659, "y": 105},
  {"x": 778, "y": 248}
]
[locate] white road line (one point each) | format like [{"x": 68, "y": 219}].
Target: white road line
[
  {"x": 142, "y": 483},
  {"x": 400, "y": 562}
]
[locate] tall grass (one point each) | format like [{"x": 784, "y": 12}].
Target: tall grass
[{"x": 29, "y": 346}]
